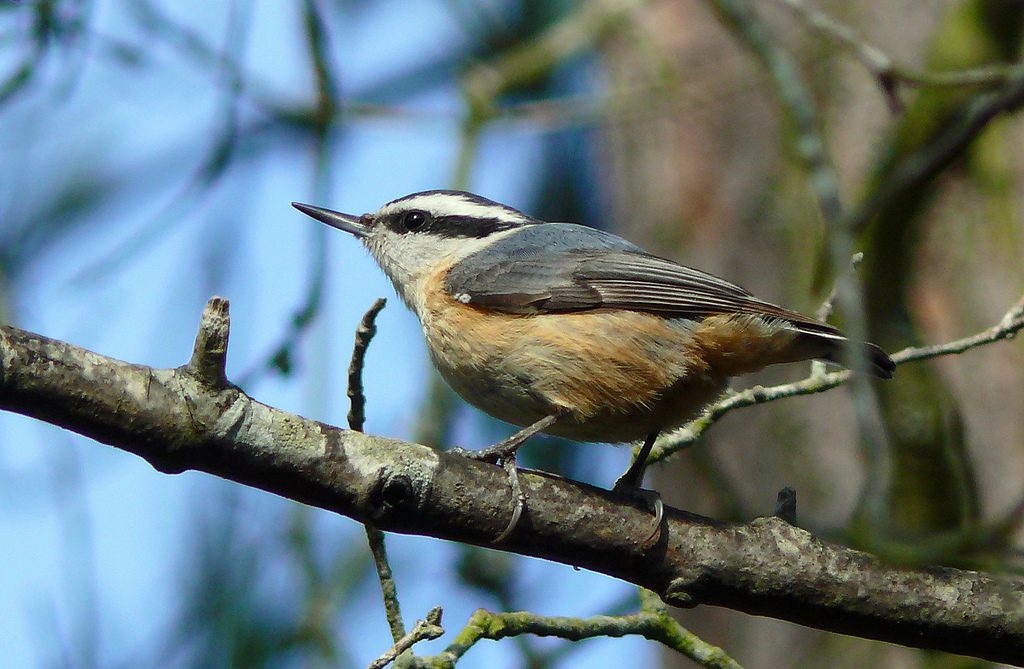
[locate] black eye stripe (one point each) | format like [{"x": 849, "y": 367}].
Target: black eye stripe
[
  {"x": 469, "y": 226},
  {"x": 451, "y": 226}
]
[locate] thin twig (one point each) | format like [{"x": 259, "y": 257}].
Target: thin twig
[
  {"x": 682, "y": 640},
  {"x": 871, "y": 56},
  {"x": 825, "y": 310},
  {"x": 652, "y": 622},
  {"x": 388, "y": 589},
  {"x": 1007, "y": 327},
  {"x": 421, "y": 631},
  {"x": 356, "y": 417},
  {"x": 364, "y": 334}
]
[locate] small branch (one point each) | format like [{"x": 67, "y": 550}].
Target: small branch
[
  {"x": 1008, "y": 326},
  {"x": 421, "y": 631},
  {"x": 1011, "y": 323},
  {"x": 818, "y": 368},
  {"x": 785, "y": 505},
  {"x": 653, "y": 622},
  {"x": 695, "y": 429},
  {"x": 678, "y": 638},
  {"x": 210, "y": 352},
  {"x": 825, "y": 310},
  {"x": 392, "y": 607},
  {"x": 873, "y": 58},
  {"x": 374, "y": 537},
  {"x": 364, "y": 335}
]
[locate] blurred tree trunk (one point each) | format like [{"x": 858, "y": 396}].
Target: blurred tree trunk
[{"x": 932, "y": 484}]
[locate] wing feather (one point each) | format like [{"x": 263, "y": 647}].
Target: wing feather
[{"x": 558, "y": 267}]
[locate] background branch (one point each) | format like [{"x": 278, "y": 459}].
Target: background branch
[
  {"x": 885, "y": 69},
  {"x": 820, "y": 381}
]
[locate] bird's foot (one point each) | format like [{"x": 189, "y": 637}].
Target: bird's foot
[
  {"x": 651, "y": 498},
  {"x": 504, "y": 453},
  {"x": 630, "y": 484}
]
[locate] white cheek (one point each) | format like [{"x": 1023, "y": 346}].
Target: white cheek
[{"x": 407, "y": 261}]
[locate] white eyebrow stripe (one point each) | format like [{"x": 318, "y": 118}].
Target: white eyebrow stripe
[{"x": 446, "y": 204}]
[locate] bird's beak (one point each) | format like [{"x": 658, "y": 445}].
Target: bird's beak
[{"x": 347, "y": 222}]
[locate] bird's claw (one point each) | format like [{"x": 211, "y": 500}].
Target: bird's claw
[
  {"x": 508, "y": 463},
  {"x": 504, "y": 453},
  {"x": 518, "y": 498},
  {"x": 651, "y": 498}
]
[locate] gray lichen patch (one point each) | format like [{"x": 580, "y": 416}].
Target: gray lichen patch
[{"x": 378, "y": 459}]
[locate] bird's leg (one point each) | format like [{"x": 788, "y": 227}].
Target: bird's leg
[
  {"x": 634, "y": 476},
  {"x": 506, "y": 449},
  {"x": 630, "y": 482},
  {"x": 504, "y": 452}
]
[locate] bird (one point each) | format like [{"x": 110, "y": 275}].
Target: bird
[{"x": 576, "y": 332}]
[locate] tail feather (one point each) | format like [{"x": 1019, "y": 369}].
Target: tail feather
[{"x": 878, "y": 363}]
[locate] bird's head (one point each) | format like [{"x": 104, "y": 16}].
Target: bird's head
[{"x": 413, "y": 236}]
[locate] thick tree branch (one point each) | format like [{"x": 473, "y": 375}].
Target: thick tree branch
[{"x": 188, "y": 418}]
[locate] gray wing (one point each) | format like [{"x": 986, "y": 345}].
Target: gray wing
[{"x": 561, "y": 267}]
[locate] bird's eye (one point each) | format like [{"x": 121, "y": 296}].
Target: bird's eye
[{"x": 414, "y": 220}]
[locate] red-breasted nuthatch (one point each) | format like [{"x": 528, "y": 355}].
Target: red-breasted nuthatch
[{"x": 572, "y": 331}]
